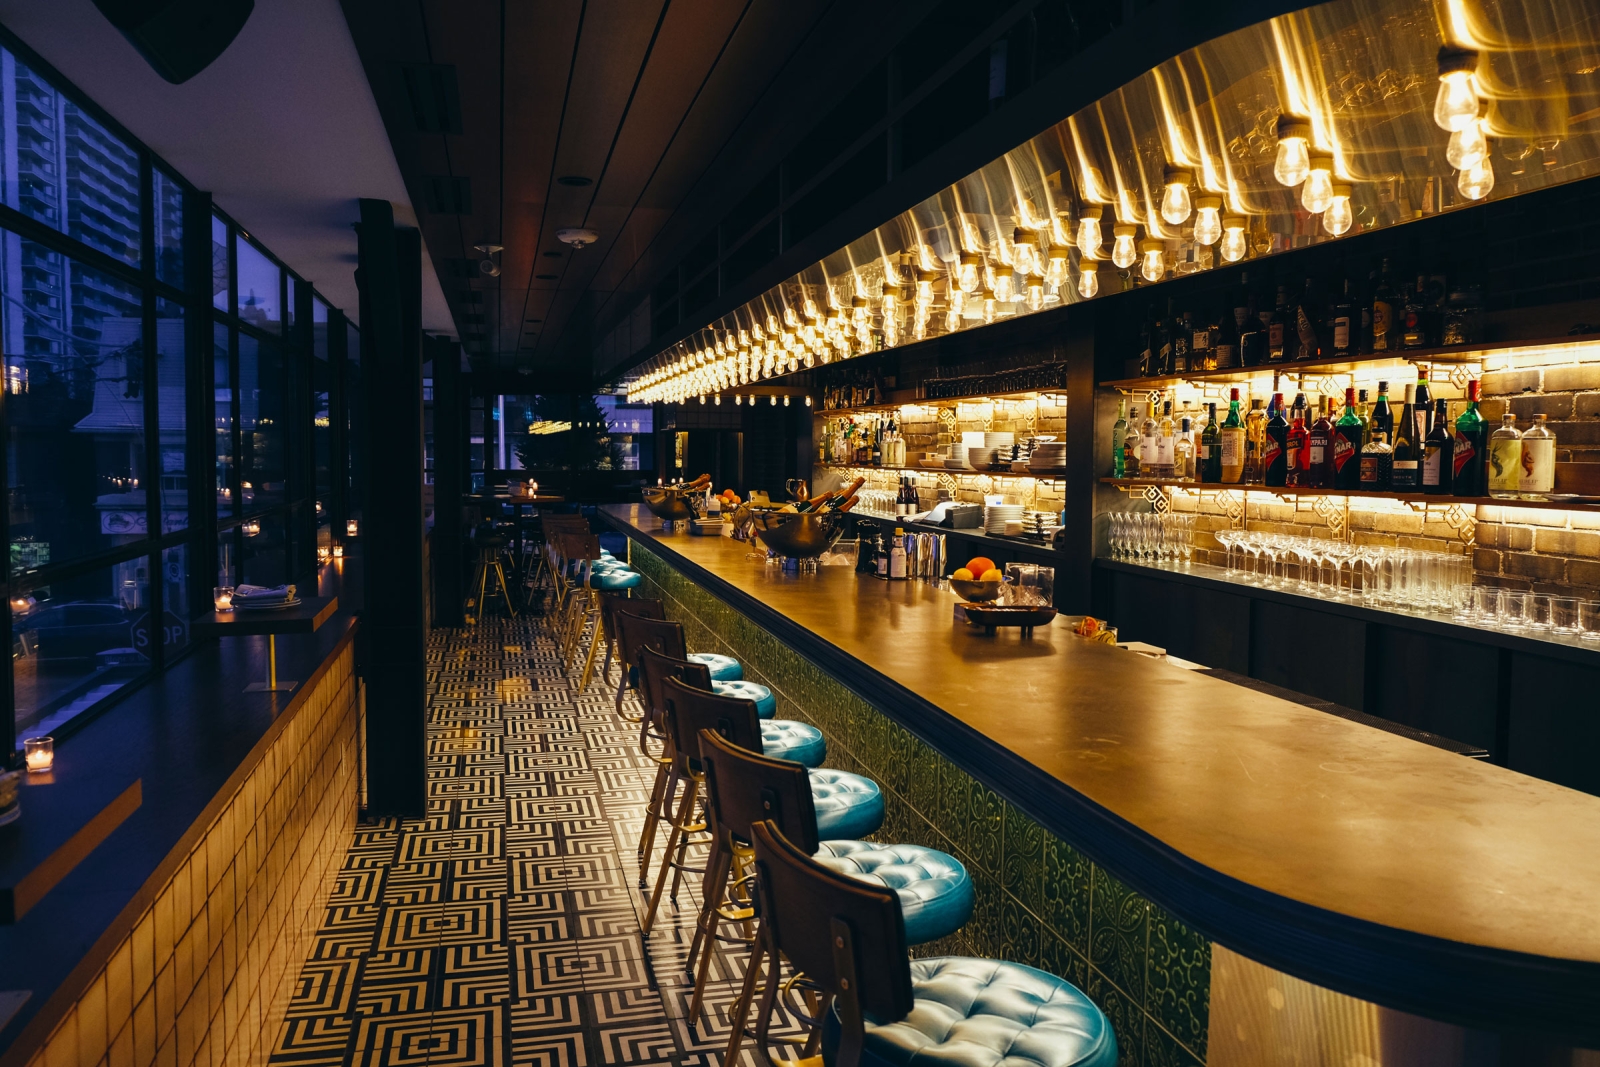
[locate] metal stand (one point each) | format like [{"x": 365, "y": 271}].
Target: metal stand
[{"x": 272, "y": 684}]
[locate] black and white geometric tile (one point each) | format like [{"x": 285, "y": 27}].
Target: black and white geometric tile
[{"x": 503, "y": 929}]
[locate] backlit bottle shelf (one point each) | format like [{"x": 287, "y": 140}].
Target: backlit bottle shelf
[
  {"x": 1056, "y": 476},
  {"x": 1583, "y": 504}
]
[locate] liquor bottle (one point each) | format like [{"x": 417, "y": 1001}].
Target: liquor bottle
[
  {"x": 1165, "y": 328},
  {"x": 1183, "y": 453},
  {"x": 1415, "y": 332},
  {"x": 1278, "y": 328},
  {"x": 876, "y": 456},
  {"x": 1166, "y": 456},
  {"x": 1255, "y": 436},
  {"x": 1404, "y": 471},
  {"x": 1437, "y": 467},
  {"x": 1469, "y": 456},
  {"x": 1347, "y": 443},
  {"x": 1422, "y": 410},
  {"x": 1131, "y": 441},
  {"x": 1148, "y": 430},
  {"x": 1229, "y": 325},
  {"x": 1119, "y": 433},
  {"x": 1361, "y": 413},
  {"x": 1382, "y": 415},
  {"x": 1148, "y": 346},
  {"x": 1363, "y": 339},
  {"x": 1231, "y": 438},
  {"x": 897, "y": 555},
  {"x": 1295, "y": 454},
  {"x": 1538, "y": 478},
  {"x": 1343, "y": 325},
  {"x": 1210, "y": 457},
  {"x": 1253, "y": 334},
  {"x": 1377, "y": 462},
  {"x": 1386, "y": 313},
  {"x": 1275, "y": 446},
  {"x": 1319, "y": 449},
  {"x": 1505, "y": 459},
  {"x": 1307, "y": 340},
  {"x": 1182, "y": 336}
]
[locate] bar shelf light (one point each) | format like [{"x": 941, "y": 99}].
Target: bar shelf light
[{"x": 1230, "y": 152}]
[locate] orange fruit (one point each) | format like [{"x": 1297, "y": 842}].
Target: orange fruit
[{"x": 980, "y": 565}]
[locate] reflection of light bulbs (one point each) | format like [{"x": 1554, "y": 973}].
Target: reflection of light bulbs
[
  {"x": 1122, "y": 251},
  {"x": 891, "y": 300},
  {"x": 1035, "y": 294},
  {"x": 967, "y": 273},
  {"x": 859, "y": 312},
  {"x": 925, "y": 288},
  {"x": 1476, "y": 181},
  {"x": 1024, "y": 252},
  {"x": 1293, "y": 156},
  {"x": 891, "y": 332},
  {"x": 1457, "y": 103},
  {"x": 1467, "y": 146},
  {"x": 1175, "y": 204},
  {"x": 958, "y": 301},
  {"x": 1088, "y": 278},
  {"x": 1207, "y": 223},
  {"x": 1002, "y": 284},
  {"x": 1089, "y": 235},
  {"x": 1338, "y": 218},
  {"x": 1154, "y": 266},
  {"x": 989, "y": 308},
  {"x": 1317, "y": 192},
  {"x": 1055, "y": 271},
  {"x": 952, "y": 320}
]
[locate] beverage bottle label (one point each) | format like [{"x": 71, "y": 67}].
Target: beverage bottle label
[
  {"x": 1319, "y": 451},
  {"x": 1205, "y": 451},
  {"x": 1201, "y": 341},
  {"x": 1432, "y": 464},
  {"x": 1505, "y": 464},
  {"x": 1538, "y": 467},
  {"x": 1269, "y": 452},
  {"x": 1369, "y": 472},
  {"x": 1404, "y": 474},
  {"x": 1341, "y": 332},
  {"x": 1382, "y": 314},
  {"x": 1343, "y": 449},
  {"x": 1462, "y": 452},
  {"x": 1147, "y": 449},
  {"x": 1164, "y": 451},
  {"x": 1232, "y": 453},
  {"x": 1275, "y": 336}
]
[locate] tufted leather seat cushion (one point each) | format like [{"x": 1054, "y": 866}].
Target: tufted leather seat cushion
[
  {"x": 847, "y": 805},
  {"x": 985, "y": 1013},
  {"x": 787, "y": 739},
  {"x": 934, "y": 889},
  {"x": 614, "y": 580},
  {"x": 723, "y": 668},
  {"x": 766, "y": 703}
]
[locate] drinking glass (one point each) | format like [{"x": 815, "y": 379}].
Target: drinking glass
[
  {"x": 1589, "y": 620},
  {"x": 1539, "y": 611},
  {"x": 1486, "y": 603},
  {"x": 1513, "y": 610},
  {"x": 1564, "y": 615}
]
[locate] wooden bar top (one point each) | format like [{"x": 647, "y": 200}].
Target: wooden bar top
[{"x": 1346, "y": 855}]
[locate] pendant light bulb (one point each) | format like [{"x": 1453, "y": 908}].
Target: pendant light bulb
[
  {"x": 1035, "y": 294},
  {"x": 1468, "y": 146},
  {"x": 1055, "y": 271},
  {"x": 860, "y": 313},
  {"x": 967, "y": 273},
  {"x": 1294, "y": 160},
  {"x": 1002, "y": 284},
  {"x": 1089, "y": 235},
  {"x": 1476, "y": 181},
  {"x": 1088, "y": 278},
  {"x": 1208, "y": 220},
  {"x": 891, "y": 300},
  {"x": 1176, "y": 206},
  {"x": 952, "y": 320},
  {"x": 891, "y": 332},
  {"x": 925, "y": 280},
  {"x": 1456, "y": 105},
  {"x": 1024, "y": 252},
  {"x": 989, "y": 308},
  {"x": 1339, "y": 217},
  {"x": 1122, "y": 250},
  {"x": 1317, "y": 193},
  {"x": 1154, "y": 265}
]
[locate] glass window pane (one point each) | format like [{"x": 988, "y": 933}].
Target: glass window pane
[
  {"x": 169, "y": 228},
  {"x": 171, "y": 393},
  {"x": 261, "y": 422},
  {"x": 354, "y": 405},
  {"x": 322, "y": 437},
  {"x": 319, "y": 328},
  {"x": 220, "y": 287},
  {"x": 175, "y": 600},
  {"x": 258, "y": 288},
  {"x": 228, "y": 557},
  {"x": 289, "y": 308},
  {"x": 75, "y": 431},
  {"x": 223, "y": 381},
  {"x": 265, "y": 557},
  {"x": 73, "y": 644},
  {"x": 62, "y": 168}
]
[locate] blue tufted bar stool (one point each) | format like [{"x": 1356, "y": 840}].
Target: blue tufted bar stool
[
  {"x": 871, "y": 1006},
  {"x": 934, "y": 890},
  {"x": 634, "y": 629},
  {"x": 740, "y": 689},
  {"x": 606, "y": 633},
  {"x": 686, "y": 710}
]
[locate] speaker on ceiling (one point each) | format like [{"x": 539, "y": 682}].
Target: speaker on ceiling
[{"x": 179, "y": 38}]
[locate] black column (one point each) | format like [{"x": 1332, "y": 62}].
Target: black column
[
  {"x": 199, "y": 380},
  {"x": 449, "y": 474},
  {"x": 392, "y": 619}
]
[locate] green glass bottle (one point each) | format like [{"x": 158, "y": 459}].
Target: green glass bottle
[
  {"x": 1468, "y": 457},
  {"x": 1118, "y": 433},
  {"x": 1210, "y": 462},
  {"x": 1348, "y": 438}
]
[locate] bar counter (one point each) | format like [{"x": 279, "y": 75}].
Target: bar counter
[{"x": 1352, "y": 858}]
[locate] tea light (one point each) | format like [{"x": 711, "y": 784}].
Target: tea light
[
  {"x": 350, "y": 528},
  {"x": 338, "y": 552},
  {"x": 40, "y": 754},
  {"x": 222, "y": 597},
  {"x": 533, "y": 488}
]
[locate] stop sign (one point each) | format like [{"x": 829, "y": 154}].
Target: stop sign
[{"x": 174, "y": 633}]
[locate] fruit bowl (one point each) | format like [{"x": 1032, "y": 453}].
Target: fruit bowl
[{"x": 976, "y": 592}]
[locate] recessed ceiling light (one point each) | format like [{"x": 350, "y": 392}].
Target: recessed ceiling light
[
  {"x": 552, "y": 255},
  {"x": 577, "y": 181},
  {"x": 547, "y": 277}
]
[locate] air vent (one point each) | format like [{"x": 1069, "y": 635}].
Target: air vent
[
  {"x": 431, "y": 91},
  {"x": 450, "y": 196}
]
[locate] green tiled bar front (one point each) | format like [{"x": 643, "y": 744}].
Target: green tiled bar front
[{"x": 1039, "y": 900}]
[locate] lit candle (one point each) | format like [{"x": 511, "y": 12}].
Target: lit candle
[
  {"x": 40, "y": 753},
  {"x": 350, "y": 528},
  {"x": 338, "y": 551},
  {"x": 222, "y": 597}
]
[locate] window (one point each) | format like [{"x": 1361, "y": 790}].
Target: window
[
  {"x": 169, "y": 228},
  {"x": 259, "y": 282},
  {"x": 220, "y": 286},
  {"x": 222, "y": 370},
  {"x": 262, "y": 423},
  {"x": 172, "y": 419}
]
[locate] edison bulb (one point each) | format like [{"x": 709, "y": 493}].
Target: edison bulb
[
  {"x": 1176, "y": 206},
  {"x": 1035, "y": 294},
  {"x": 1023, "y": 252},
  {"x": 967, "y": 273},
  {"x": 952, "y": 321},
  {"x": 1467, "y": 146},
  {"x": 1457, "y": 103},
  {"x": 1154, "y": 265},
  {"x": 1002, "y": 284},
  {"x": 989, "y": 308},
  {"x": 1055, "y": 271},
  {"x": 1317, "y": 192},
  {"x": 1339, "y": 217},
  {"x": 1122, "y": 250},
  {"x": 925, "y": 288},
  {"x": 1089, "y": 235},
  {"x": 891, "y": 332},
  {"x": 1294, "y": 155},
  {"x": 958, "y": 302},
  {"x": 859, "y": 312},
  {"x": 1207, "y": 220},
  {"x": 1476, "y": 181},
  {"x": 1088, "y": 279},
  {"x": 891, "y": 300}
]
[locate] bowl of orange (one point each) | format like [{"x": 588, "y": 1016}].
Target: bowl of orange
[{"x": 979, "y": 581}]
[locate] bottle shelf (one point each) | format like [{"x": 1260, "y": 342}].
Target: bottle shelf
[
  {"x": 1587, "y": 504},
  {"x": 933, "y": 402},
  {"x": 1056, "y": 477},
  {"x": 1452, "y": 354}
]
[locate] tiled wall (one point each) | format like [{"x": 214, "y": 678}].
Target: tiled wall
[
  {"x": 204, "y": 974},
  {"x": 1039, "y": 901}
]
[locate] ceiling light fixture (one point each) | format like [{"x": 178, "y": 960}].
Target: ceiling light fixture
[
  {"x": 575, "y": 181},
  {"x": 577, "y": 236}
]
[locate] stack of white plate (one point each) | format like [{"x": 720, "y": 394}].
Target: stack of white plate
[
  {"x": 958, "y": 458},
  {"x": 1048, "y": 455},
  {"x": 972, "y": 438},
  {"x": 999, "y": 439},
  {"x": 980, "y": 458},
  {"x": 995, "y": 517}
]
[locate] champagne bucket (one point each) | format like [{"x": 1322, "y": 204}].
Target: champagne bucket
[
  {"x": 669, "y": 504},
  {"x": 804, "y": 535}
]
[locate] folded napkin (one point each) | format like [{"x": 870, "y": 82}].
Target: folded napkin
[{"x": 261, "y": 594}]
